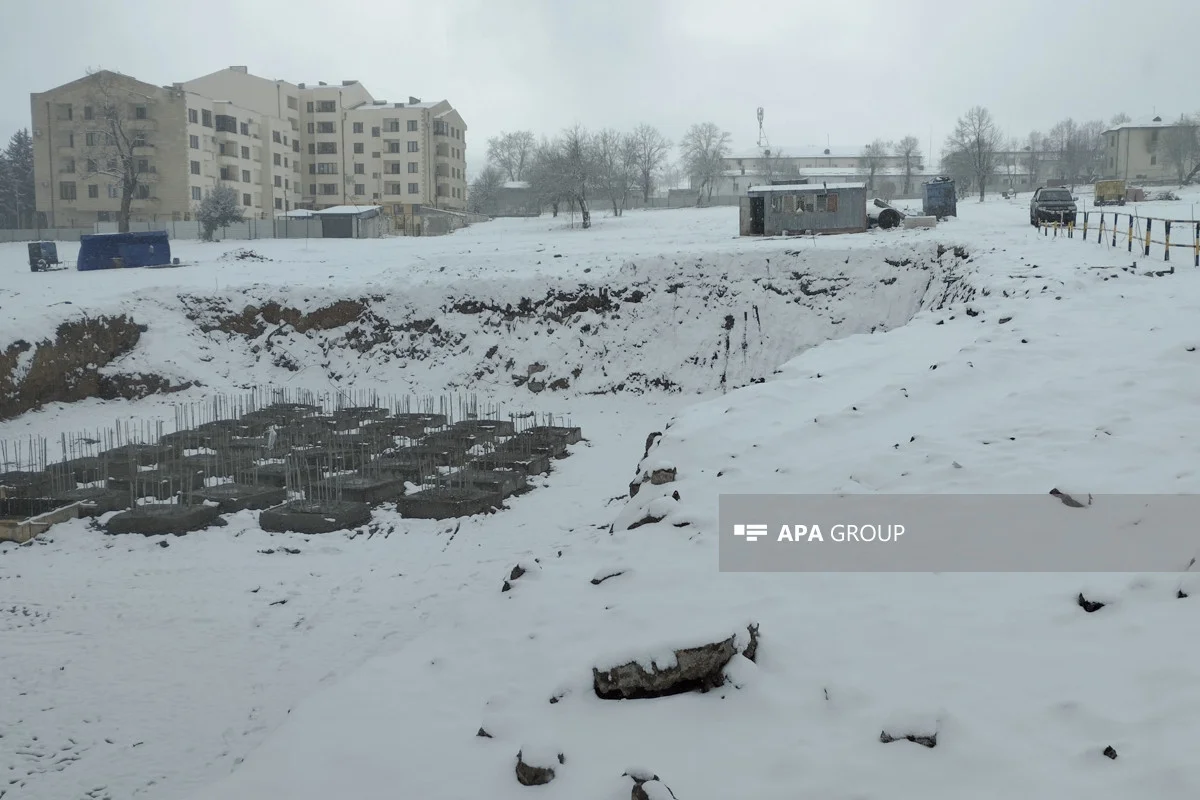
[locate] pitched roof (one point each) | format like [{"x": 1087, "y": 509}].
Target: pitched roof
[
  {"x": 807, "y": 187},
  {"x": 1145, "y": 122}
]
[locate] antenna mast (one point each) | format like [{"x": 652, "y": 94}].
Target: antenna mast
[{"x": 763, "y": 144}]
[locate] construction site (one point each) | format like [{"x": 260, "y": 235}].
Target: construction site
[{"x": 309, "y": 464}]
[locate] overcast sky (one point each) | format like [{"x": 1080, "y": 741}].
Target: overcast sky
[{"x": 841, "y": 71}]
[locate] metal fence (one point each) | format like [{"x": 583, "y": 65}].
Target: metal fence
[{"x": 1133, "y": 232}]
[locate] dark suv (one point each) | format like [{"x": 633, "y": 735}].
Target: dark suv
[{"x": 1052, "y": 205}]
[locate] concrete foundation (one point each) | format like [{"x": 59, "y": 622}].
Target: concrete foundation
[
  {"x": 504, "y": 483},
  {"x": 458, "y": 441},
  {"x": 143, "y": 455},
  {"x": 95, "y": 501},
  {"x": 426, "y": 455},
  {"x": 161, "y": 484},
  {"x": 398, "y": 468},
  {"x": 187, "y": 440},
  {"x": 443, "y": 503},
  {"x": 25, "y": 484},
  {"x": 90, "y": 469},
  {"x": 332, "y": 457},
  {"x": 304, "y": 517},
  {"x": 164, "y": 519},
  {"x": 494, "y": 427},
  {"x": 233, "y": 497},
  {"x": 536, "y": 444},
  {"x": 369, "y": 489},
  {"x": 425, "y": 420},
  {"x": 568, "y": 435},
  {"x": 526, "y": 463},
  {"x": 274, "y": 475}
]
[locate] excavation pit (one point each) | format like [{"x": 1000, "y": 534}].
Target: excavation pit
[
  {"x": 300, "y": 516},
  {"x": 162, "y": 520},
  {"x": 504, "y": 483},
  {"x": 233, "y": 497},
  {"x": 446, "y": 503}
]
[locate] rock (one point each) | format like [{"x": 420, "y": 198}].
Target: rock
[
  {"x": 650, "y": 442},
  {"x": 535, "y": 368},
  {"x": 634, "y": 486},
  {"x": 1090, "y": 606},
  {"x": 662, "y": 475},
  {"x": 605, "y": 575},
  {"x": 516, "y": 573},
  {"x": 1110, "y": 752},
  {"x": 695, "y": 669},
  {"x": 481, "y": 733},
  {"x": 651, "y": 790},
  {"x": 164, "y": 543},
  {"x": 535, "y": 775},
  {"x": 751, "y": 651}
]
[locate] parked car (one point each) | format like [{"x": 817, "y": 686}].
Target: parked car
[
  {"x": 1052, "y": 204},
  {"x": 883, "y": 214}
]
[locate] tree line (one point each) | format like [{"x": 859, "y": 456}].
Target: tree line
[
  {"x": 578, "y": 168},
  {"x": 17, "y": 208},
  {"x": 978, "y": 150}
]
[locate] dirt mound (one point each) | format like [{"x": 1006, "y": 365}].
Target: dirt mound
[{"x": 243, "y": 254}]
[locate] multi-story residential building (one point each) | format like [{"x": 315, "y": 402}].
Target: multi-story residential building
[
  {"x": 280, "y": 145},
  {"x": 1133, "y": 151}
]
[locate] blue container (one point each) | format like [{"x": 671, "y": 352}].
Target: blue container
[
  {"x": 941, "y": 200},
  {"x": 116, "y": 250}
]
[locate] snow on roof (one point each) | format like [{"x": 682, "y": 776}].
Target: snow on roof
[
  {"x": 805, "y": 151},
  {"x": 841, "y": 172},
  {"x": 299, "y": 212},
  {"x": 807, "y": 187},
  {"x": 516, "y": 184},
  {"x": 347, "y": 209},
  {"x": 1145, "y": 122}
]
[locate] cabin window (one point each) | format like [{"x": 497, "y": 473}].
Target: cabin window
[{"x": 777, "y": 204}]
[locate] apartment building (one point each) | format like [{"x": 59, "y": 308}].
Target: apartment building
[
  {"x": 354, "y": 149},
  {"x": 281, "y": 146},
  {"x": 1133, "y": 151}
]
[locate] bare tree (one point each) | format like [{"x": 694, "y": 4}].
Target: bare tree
[
  {"x": 872, "y": 159},
  {"x": 1179, "y": 146},
  {"x": 1035, "y": 146},
  {"x": 616, "y": 167},
  {"x": 547, "y": 175},
  {"x": 650, "y": 150},
  {"x": 703, "y": 149},
  {"x": 1079, "y": 148},
  {"x": 908, "y": 150},
  {"x": 973, "y": 145},
  {"x": 117, "y": 126},
  {"x": 566, "y": 171},
  {"x": 485, "y": 190},
  {"x": 777, "y": 166},
  {"x": 1119, "y": 119},
  {"x": 512, "y": 153}
]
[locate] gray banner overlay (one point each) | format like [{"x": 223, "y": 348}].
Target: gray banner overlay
[{"x": 958, "y": 533}]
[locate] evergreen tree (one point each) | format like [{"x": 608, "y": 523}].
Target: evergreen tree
[{"x": 16, "y": 182}]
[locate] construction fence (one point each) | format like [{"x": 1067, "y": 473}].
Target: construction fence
[{"x": 1145, "y": 236}]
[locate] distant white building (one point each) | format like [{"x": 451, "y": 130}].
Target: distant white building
[{"x": 816, "y": 165}]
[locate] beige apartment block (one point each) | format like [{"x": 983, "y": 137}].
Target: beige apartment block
[
  {"x": 70, "y": 151},
  {"x": 281, "y": 146},
  {"x": 1133, "y": 151}
]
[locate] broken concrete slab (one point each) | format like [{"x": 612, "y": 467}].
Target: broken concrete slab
[
  {"x": 446, "y": 503},
  {"x": 301, "y": 516},
  {"x": 161, "y": 520},
  {"x": 694, "y": 669},
  {"x": 233, "y": 497}
]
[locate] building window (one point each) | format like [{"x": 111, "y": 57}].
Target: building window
[
  {"x": 245, "y": 176},
  {"x": 414, "y": 188},
  {"x": 193, "y": 142},
  {"x": 412, "y": 126},
  {"x": 328, "y": 188},
  {"x": 391, "y": 126},
  {"x": 358, "y": 127},
  {"x": 375, "y": 132},
  {"x": 327, "y": 148},
  {"x": 275, "y": 137},
  {"x": 312, "y": 127},
  {"x": 91, "y": 166},
  {"x": 292, "y": 103},
  {"x": 88, "y": 113},
  {"x": 226, "y": 123},
  {"x": 139, "y": 112},
  {"x": 245, "y": 128},
  {"x": 276, "y": 159},
  {"x": 68, "y": 165},
  {"x": 113, "y": 192},
  {"x": 245, "y": 199},
  {"x": 206, "y": 118},
  {"x": 295, "y": 145},
  {"x": 414, "y": 166},
  {"x": 193, "y": 116},
  {"x": 195, "y": 167},
  {"x": 63, "y": 113},
  {"x": 196, "y": 193},
  {"x": 326, "y": 106},
  {"x": 393, "y": 147},
  {"x": 278, "y": 204},
  {"x": 412, "y": 147},
  {"x": 278, "y": 182},
  {"x": 326, "y": 127},
  {"x": 360, "y": 169},
  {"x": 143, "y": 165},
  {"x": 93, "y": 191},
  {"x": 327, "y": 168},
  {"x": 143, "y": 193},
  {"x": 358, "y": 148},
  {"x": 309, "y": 106},
  {"x": 287, "y": 184},
  {"x": 360, "y": 189},
  {"x": 312, "y": 187},
  {"x": 246, "y": 153},
  {"x": 1153, "y": 160},
  {"x": 228, "y": 174}
]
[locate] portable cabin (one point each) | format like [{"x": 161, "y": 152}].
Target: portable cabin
[
  {"x": 804, "y": 207},
  {"x": 117, "y": 250},
  {"x": 351, "y": 222},
  {"x": 941, "y": 201}
]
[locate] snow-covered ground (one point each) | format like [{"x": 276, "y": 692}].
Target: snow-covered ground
[{"x": 137, "y": 670}]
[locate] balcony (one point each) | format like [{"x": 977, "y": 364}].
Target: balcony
[{"x": 143, "y": 125}]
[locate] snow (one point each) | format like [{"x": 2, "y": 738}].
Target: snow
[
  {"x": 168, "y": 673},
  {"x": 806, "y": 187},
  {"x": 333, "y": 210}
]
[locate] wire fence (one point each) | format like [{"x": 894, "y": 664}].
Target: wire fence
[{"x": 1135, "y": 233}]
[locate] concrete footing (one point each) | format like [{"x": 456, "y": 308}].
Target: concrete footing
[
  {"x": 444, "y": 503},
  {"x": 161, "y": 520},
  {"x": 233, "y": 497},
  {"x": 307, "y": 517}
]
